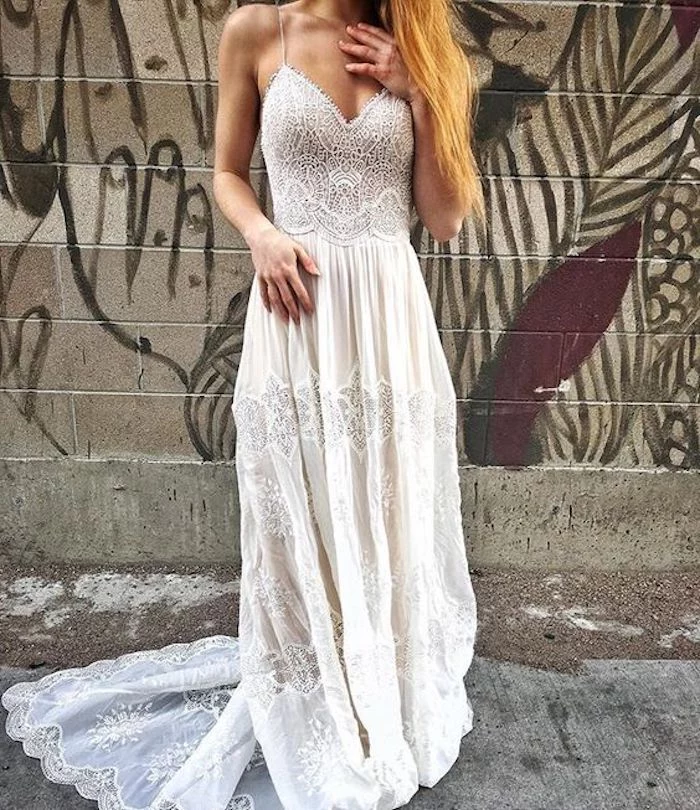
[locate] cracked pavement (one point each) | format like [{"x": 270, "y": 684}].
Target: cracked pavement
[{"x": 585, "y": 684}]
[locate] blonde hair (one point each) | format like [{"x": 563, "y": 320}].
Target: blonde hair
[{"x": 428, "y": 34}]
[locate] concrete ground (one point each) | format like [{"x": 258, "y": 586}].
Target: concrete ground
[{"x": 585, "y": 685}]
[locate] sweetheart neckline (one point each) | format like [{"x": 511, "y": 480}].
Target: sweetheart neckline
[{"x": 348, "y": 122}]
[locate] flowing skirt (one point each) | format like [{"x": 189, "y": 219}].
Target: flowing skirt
[{"x": 344, "y": 689}]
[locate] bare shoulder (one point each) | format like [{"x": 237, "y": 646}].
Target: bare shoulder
[{"x": 246, "y": 27}]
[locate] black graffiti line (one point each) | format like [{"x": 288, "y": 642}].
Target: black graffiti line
[
  {"x": 19, "y": 17},
  {"x": 194, "y": 105}
]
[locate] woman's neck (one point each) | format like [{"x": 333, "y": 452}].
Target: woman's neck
[{"x": 348, "y": 11}]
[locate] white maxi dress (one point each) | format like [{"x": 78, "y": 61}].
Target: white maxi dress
[{"x": 344, "y": 689}]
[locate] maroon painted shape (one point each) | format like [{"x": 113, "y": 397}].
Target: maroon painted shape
[
  {"x": 580, "y": 296},
  {"x": 686, "y": 18}
]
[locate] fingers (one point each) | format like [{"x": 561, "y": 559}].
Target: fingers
[
  {"x": 264, "y": 294},
  {"x": 369, "y": 33},
  {"x": 281, "y": 298},
  {"x": 307, "y": 262},
  {"x": 366, "y": 68},
  {"x": 283, "y": 290},
  {"x": 281, "y": 295},
  {"x": 276, "y": 301},
  {"x": 302, "y": 292},
  {"x": 288, "y": 299},
  {"x": 360, "y": 51}
]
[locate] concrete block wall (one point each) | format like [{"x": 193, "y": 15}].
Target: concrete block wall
[{"x": 572, "y": 325}]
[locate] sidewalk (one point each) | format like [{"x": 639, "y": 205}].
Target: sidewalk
[{"x": 586, "y": 687}]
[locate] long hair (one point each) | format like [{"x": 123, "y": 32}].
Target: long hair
[{"x": 428, "y": 34}]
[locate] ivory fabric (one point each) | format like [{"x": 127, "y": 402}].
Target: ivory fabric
[{"x": 344, "y": 689}]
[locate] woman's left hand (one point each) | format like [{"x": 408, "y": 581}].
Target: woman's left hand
[{"x": 383, "y": 60}]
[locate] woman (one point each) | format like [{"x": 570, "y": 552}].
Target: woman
[{"x": 357, "y": 615}]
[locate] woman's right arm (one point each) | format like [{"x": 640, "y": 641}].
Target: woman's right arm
[{"x": 275, "y": 254}]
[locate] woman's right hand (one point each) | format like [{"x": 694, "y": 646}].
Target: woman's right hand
[{"x": 276, "y": 257}]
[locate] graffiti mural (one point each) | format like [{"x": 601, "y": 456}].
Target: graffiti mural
[{"x": 572, "y": 324}]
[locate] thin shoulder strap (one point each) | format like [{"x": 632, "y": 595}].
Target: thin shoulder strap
[{"x": 279, "y": 20}]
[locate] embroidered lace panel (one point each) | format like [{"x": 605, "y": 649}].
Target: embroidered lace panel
[
  {"x": 342, "y": 178},
  {"x": 283, "y": 415}
]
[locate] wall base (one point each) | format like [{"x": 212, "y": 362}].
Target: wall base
[{"x": 120, "y": 511}]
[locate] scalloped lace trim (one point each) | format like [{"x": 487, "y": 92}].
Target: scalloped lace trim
[{"x": 45, "y": 742}]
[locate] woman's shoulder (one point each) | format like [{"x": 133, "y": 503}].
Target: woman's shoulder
[{"x": 250, "y": 24}]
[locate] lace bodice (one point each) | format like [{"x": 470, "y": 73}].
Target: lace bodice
[{"x": 345, "y": 178}]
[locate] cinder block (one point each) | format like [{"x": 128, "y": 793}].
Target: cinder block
[
  {"x": 30, "y": 280},
  {"x": 155, "y": 294},
  {"x": 21, "y": 96},
  {"x": 36, "y": 424},
  {"x": 154, "y": 426},
  {"x": 172, "y": 47},
  {"x": 472, "y": 426},
  {"x": 186, "y": 349},
  {"x": 95, "y": 210},
  {"x": 613, "y": 435},
  {"x": 520, "y": 363},
  {"x": 624, "y": 367},
  {"x": 103, "y": 115},
  {"x": 671, "y": 290},
  {"x": 78, "y": 356}
]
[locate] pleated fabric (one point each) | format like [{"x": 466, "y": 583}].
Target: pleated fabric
[{"x": 357, "y": 611}]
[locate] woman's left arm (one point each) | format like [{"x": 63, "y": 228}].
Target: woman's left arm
[{"x": 434, "y": 195}]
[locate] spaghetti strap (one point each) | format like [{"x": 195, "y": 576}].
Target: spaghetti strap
[{"x": 279, "y": 20}]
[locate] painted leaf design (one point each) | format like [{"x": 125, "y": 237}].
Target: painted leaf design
[{"x": 568, "y": 196}]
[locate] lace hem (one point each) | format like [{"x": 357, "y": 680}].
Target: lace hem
[{"x": 45, "y": 742}]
